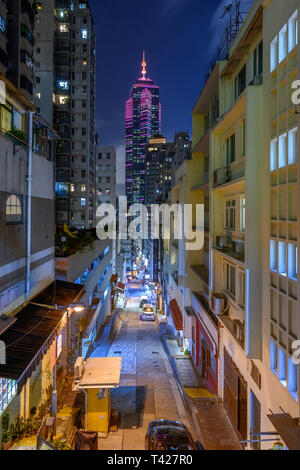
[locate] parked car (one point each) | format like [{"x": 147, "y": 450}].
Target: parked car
[
  {"x": 168, "y": 435},
  {"x": 148, "y": 313}
]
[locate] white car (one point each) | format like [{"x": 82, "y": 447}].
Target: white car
[{"x": 148, "y": 313}]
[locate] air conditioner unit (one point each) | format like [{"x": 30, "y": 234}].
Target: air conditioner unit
[
  {"x": 238, "y": 330},
  {"x": 221, "y": 243},
  {"x": 79, "y": 368},
  {"x": 218, "y": 304}
]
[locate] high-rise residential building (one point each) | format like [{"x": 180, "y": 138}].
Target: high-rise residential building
[
  {"x": 16, "y": 43},
  {"x": 106, "y": 175},
  {"x": 182, "y": 151},
  {"x": 158, "y": 185},
  {"x": 143, "y": 120},
  {"x": 65, "y": 92}
]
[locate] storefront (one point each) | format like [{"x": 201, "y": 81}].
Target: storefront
[
  {"x": 177, "y": 321},
  {"x": 205, "y": 344}
]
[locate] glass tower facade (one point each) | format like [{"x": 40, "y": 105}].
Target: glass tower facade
[{"x": 143, "y": 120}]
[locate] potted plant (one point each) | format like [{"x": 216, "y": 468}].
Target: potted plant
[
  {"x": 6, "y": 440},
  {"x": 6, "y": 435}
]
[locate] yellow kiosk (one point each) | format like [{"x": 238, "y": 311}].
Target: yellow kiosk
[{"x": 99, "y": 375}]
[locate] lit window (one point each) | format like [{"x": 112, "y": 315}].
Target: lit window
[
  {"x": 282, "y": 151},
  {"x": 293, "y": 31},
  {"x": 230, "y": 279},
  {"x": 293, "y": 261},
  {"x": 273, "y": 255},
  {"x": 273, "y": 155},
  {"x": 83, "y": 202},
  {"x": 63, "y": 99},
  {"x": 14, "y": 209},
  {"x": 82, "y": 6},
  {"x": 282, "y": 258},
  {"x": 273, "y": 54},
  {"x": 293, "y": 146},
  {"x": 72, "y": 188},
  {"x": 293, "y": 380},
  {"x": 282, "y": 367},
  {"x": 83, "y": 188},
  {"x": 8, "y": 389},
  {"x": 283, "y": 43},
  {"x": 84, "y": 33},
  {"x": 64, "y": 85},
  {"x": 63, "y": 28},
  {"x": 38, "y": 96},
  {"x": 273, "y": 356}
]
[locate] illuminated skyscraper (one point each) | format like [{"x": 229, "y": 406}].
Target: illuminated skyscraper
[{"x": 143, "y": 120}]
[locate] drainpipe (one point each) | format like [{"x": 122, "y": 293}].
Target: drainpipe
[{"x": 29, "y": 188}]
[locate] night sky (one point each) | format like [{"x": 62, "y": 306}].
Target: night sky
[{"x": 179, "y": 37}]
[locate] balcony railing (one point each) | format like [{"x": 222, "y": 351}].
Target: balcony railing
[{"x": 229, "y": 173}]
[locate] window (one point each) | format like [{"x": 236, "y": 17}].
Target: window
[
  {"x": 273, "y": 255},
  {"x": 72, "y": 188},
  {"x": 8, "y": 389},
  {"x": 240, "y": 82},
  {"x": 83, "y": 174},
  {"x": 14, "y": 209},
  {"x": 83, "y": 201},
  {"x": 282, "y": 151},
  {"x": 83, "y": 188},
  {"x": 242, "y": 289},
  {"x": 293, "y": 31},
  {"x": 108, "y": 180},
  {"x": 230, "y": 283},
  {"x": 258, "y": 60},
  {"x": 63, "y": 28},
  {"x": 230, "y": 149},
  {"x": 283, "y": 44},
  {"x": 99, "y": 156},
  {"x": 243, "y": 214},
  {"x": 293, "y": 261},
  {"x": 273, "y": 54},
  {"x": 293, "y": 146},
  {"x": 282, "y": 258},
  {"x": 230, "y": 214},
  {"x": 273, "y": 356},
  {"x": 293, "y": 380},
  {"x": 84, "y": 33},
  {"x": 244, "y": 138},
  {"x": 273, "y": 155},
  {"x": 282, "y": 367}
]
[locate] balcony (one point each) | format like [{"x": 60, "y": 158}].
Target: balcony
[
  {"x": 202, "y": 272},
  {"x": 235, "y": 248},
  {"x": 230, "y": 173},
  {"x": 236, "y": 328}
]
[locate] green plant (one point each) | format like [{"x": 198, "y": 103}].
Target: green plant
[
  {"x": 5, "y": 422},
  {"x": 18, "y": 133},
  {"x": 61, "y": 444},
  {"x": 6, "y": 437}
]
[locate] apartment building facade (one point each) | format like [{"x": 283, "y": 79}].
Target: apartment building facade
[
  {"x": 106, "y": 183},
  {"x": 247, "y": 293},
  {"x": 67, "y": 29}
]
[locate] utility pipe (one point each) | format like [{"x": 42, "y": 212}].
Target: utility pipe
[{"x": 29, "y": 192}]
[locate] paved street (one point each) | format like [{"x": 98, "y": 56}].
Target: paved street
[{"x": 148, "y": 389}]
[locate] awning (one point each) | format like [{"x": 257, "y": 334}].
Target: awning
[
  {"x": 60, "y": 293},
  {"x": 27, "y": 340},
  {"x": 121, "y": 287},
  {"x": 287, "y": 428},
  {"x": 176, "y": 315}
]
